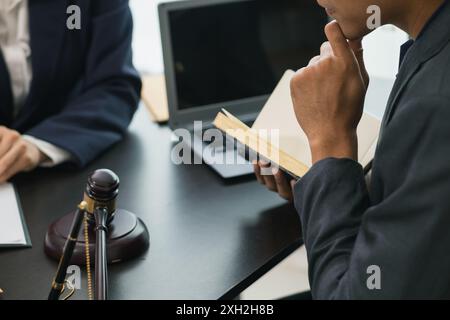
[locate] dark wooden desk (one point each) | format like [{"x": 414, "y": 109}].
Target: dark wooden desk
[{"x": 210, "y": 238}]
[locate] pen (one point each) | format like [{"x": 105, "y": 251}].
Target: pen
[{"x": 58, "y": 281}]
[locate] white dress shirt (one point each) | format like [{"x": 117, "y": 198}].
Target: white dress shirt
[{"x": 15, "y": 46}]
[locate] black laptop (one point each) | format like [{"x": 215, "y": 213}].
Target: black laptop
[{"x": 231, "y": 54}]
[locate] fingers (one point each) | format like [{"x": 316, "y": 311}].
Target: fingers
[
  {"x": 7, "y": 139},
  {"x": 283, "y": 187},
  {"x": 314, "y": 60},
  {"x": 293, "y": 183},
  {"x": 265, "y": 179},
  {"x": 337, "y": 40},
  {"x": 348, "y": 50},
  {"x": 9, "y": 163},
  {"x": 257, "y": 170},
  {"x": 11, "y": 151},
  {"x": 275, "y": 182},
  {"x": 16, "y": 154},
  {"x": 269, "y": 180},
  {"x": 326, "y": 49},
  {"x": 13, "y": 170}
]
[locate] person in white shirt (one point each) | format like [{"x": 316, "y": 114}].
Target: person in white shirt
[{"x": 65, "y": 95}]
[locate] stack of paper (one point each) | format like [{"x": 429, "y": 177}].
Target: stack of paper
[{"x": 12, "y": 230}]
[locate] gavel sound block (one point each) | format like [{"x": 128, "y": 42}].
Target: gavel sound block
[{"x": 127, "y": 236}]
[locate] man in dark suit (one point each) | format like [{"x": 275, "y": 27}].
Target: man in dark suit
[
  {"x": 389, "y": 238},
  {"x": 68, "y": 89}
]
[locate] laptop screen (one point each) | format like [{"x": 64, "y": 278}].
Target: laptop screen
[{"x": 239, "y": 50}]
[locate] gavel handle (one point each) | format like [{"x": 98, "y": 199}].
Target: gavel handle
[{"x": 101, "y": 263}]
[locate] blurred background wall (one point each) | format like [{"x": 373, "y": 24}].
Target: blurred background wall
[{"x": 381, "y": 47}]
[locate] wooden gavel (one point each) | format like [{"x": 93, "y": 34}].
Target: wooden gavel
[{"x": 99, "y": 204}]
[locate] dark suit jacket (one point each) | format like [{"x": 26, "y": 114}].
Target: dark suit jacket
[
  {"x": 402, "y": 225},
  {"x": 84, "y": 90}
]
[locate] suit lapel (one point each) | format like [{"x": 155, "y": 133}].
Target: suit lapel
[
  {"x": 408, "y": 70},
  {"x": 47, "y": 20}
]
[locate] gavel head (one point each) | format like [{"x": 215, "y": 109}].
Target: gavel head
[{"x": 101, "y": 191}]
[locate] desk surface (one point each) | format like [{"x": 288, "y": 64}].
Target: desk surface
[{"x": 210, "y": 238}]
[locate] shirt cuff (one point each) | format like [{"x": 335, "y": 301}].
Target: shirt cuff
[{"x": 56, "y": 155}]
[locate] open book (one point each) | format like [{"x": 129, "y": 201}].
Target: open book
[{"x": 277, "y": 137}]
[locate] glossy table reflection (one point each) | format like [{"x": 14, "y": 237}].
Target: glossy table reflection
[{"x": 210, "y": 238}]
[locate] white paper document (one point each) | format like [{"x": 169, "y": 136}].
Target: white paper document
[{"x": 12, "y": 230}]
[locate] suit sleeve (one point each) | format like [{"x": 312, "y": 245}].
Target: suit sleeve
[
  {"x": 100, "y": 115},
  {"x": 406, "y": 235}
]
